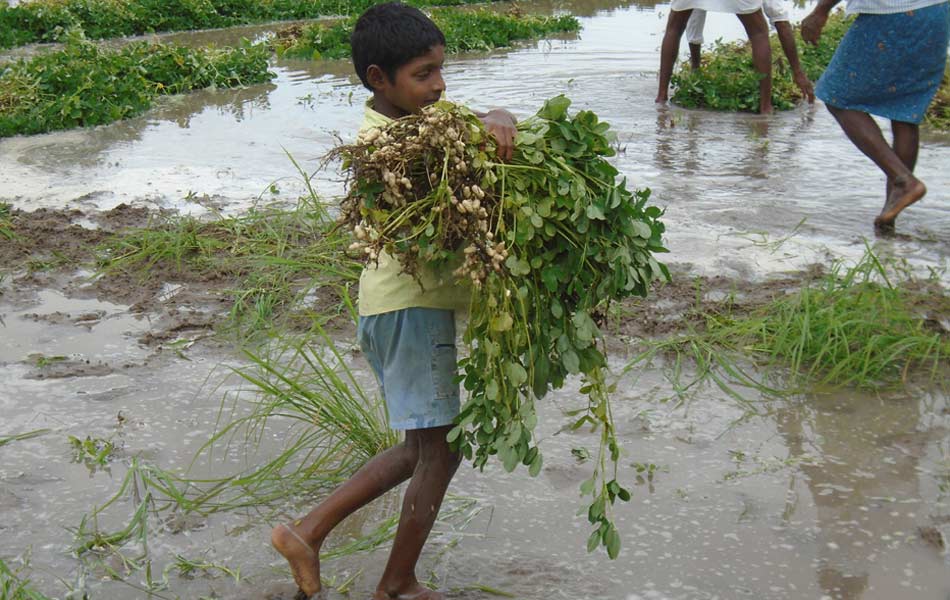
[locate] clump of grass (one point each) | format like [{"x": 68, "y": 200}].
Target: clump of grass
[
  {"x": 276, "y": 255},
  {"x": 83, "y": 84},
  {"x": 14, "y": 585},
  {"x": 870, "y": 325},
  {"x": 464, "y": 30},
  {"x": 727, "y": 79},
  {"x": 6, "y": 221},
  {"x": 333, "y": 425}
]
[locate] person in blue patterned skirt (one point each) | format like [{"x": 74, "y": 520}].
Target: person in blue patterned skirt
[{"x": 890, "y": 64}]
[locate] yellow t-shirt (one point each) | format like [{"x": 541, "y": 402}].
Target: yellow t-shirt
[{"x": 384, "y": 288}]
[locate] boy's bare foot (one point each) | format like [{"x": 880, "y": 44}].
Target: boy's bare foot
[
  {"x": 415, "y": 592},
  {"x": 903, "y": 193},
  {"x": 304, "y": 560}
]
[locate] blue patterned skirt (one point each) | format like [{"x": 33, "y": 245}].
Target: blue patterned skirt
[{"x": 889, "y": 65}]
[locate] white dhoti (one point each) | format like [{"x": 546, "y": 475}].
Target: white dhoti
[{"x": 736, "y": 7}]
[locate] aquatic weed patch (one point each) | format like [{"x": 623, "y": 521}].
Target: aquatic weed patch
[
  {"x": 727, "y": 80},
  {"x": 465, "y": 30},
  {"x": 547, "y": 241},
  {"x": 870, "y": 325},
  {"x": 84, "y": 84},
  {"x": 47, "y": 20}
]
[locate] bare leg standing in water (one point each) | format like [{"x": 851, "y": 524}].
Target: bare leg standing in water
[
  {"x": 757, "y": 29},
  {"x": 675, "y": 26},
  {"x": 897, "y": 163},
  {"x": 889, "y": 64}
]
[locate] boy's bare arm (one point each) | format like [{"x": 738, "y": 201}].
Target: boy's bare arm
[
  {"x": 787, "y": 38},
  {"x": 501, "y": 124}
]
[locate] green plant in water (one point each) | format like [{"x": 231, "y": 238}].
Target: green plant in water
[
  {"x": 15, "y": 585},
  {"x": 727, "y": 79},
  {"x": 95, "y": 453},
  {"x": 465, "y": 30},
  {"x": 84, "y": 84},
  {"x": 190, "y": 568},
  {"x": 46, "y": 20},
  {"x": 869, "y": 325}
]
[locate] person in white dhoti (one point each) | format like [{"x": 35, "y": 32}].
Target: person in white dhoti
[
  {"x": 777, "y": 13},
  {"x": 749, "y": 13}
]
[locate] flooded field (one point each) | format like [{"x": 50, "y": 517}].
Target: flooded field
[{"x": 826, "y": 495}]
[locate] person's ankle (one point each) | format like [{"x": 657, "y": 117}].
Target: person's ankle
[{"x": 396, "y": 586}]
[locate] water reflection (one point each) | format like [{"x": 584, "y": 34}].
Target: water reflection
[
  {"x": 860, "y": 457},
  {"x": 238, "y": 104}
]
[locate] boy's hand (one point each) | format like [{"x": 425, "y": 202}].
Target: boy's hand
[
  {"x": 501, "y": 124},
  {"x": 805, "y": 85}
]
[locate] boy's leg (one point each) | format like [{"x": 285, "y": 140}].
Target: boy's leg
[
  {"x": 437, "y": 464},
  {"x": 300, "y": 541},
  {"x": 864, "y": 133},
  {"x": 675, "y": 26},
  {"x": 757, "y": 28}
]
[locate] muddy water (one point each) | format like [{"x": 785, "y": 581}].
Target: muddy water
[
  {"x": 843, "y": 496},
  {"x": 733, "y": 185}
]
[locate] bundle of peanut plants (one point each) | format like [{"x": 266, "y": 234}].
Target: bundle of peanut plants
[{"x": 546, "y": 242}]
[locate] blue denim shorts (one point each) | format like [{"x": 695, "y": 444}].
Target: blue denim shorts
[{"x": 412, "y": 351}]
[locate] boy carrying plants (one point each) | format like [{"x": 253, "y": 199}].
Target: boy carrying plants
[{"x": 406, "y": 331}]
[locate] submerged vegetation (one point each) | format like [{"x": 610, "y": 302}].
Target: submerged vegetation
[
  {"x": 85, "y": 84},
  {"x": 727, "y": 80},
  {"x": 465, "y": 30},
  {"x": 47, "y": 20},
  {"x": 870, "y": 325}
]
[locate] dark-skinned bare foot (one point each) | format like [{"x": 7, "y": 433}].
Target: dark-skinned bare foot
[
  {"x": 303, "y": 558},
  {"x": 415, "y": 591},
  {"x": 904, "y": 191}
]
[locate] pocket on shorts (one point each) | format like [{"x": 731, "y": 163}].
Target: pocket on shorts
[{"x": 444, "y": 356}]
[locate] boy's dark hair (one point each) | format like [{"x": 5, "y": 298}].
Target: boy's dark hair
[{"x": 390, "y": 35}]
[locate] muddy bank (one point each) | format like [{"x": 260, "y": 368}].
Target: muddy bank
[{"x": 59, "y": 250}]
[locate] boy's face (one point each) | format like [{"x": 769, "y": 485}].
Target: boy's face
[{"x": 416, "y": 84}]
